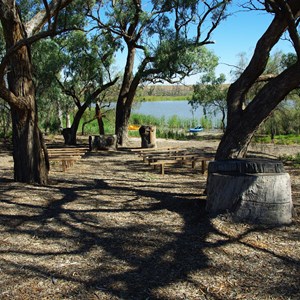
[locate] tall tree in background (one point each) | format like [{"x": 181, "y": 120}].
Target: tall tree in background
[
  {"x": 165, "y": 38},
  {"x": 16, "y": 82},
  {"x": 210, "y": 93},
  {"x": 86, "y": 73},
  {"x": 244, "y": 119},
  {"x": 53, "y": 105}
]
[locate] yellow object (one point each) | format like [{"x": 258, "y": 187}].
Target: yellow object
[{"x": 133, "y": 127}]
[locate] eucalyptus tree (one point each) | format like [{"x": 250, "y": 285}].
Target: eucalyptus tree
[
  {"x": 164, "y": 42},
  {"x": 283, "y": 117},
  {"x": 86, "y": 73},
  {"x": 23, "y": 23},
  {"x": 210, "y": 93},
  {"x": 243, "y": 118},
  {"x": 48, "y": 62}
]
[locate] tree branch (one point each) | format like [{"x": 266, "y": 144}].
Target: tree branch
[
  {"x": 255, "y": 68},
  {"x": 39, "y": 20},
  {"x": 292, "y": 26},
  {"x": 69, "y": 92},
  {"x": 96, "y": 93},
  {"x": 27, "y": 42}
]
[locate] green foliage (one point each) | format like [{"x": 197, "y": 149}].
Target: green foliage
[
  {"x": 288, "y": 59},
  {"x": 74, "y": 15},
  {"x": 84, "y": 69},
  {"x": 138, "y": 119},
  {"x": 51, "y": 125},
  {"x": 172, "y": 128},
  {"x": 179, "y": 58},
  {"x": 48, "y": 62},
  {"x": 288, "y": 139},
  {"x": 5, "y": 120},
  {"x": 92, "y": 127},
  {"x": 70, "y": 67},
  {"x": 294, "y": 159},
  {"x": 29, "y": 8},
  {"x": 284, "y": 120},
  {"x": 171, "y": 134},
  {"x": 206, "y": 123},
  {"x": 174, "y": 121},
  {"x": 211, "y": 94},
  {"x": 276, "y": 64}
]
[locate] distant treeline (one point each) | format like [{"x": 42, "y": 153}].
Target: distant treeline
[{"x": 166, "y": 90}]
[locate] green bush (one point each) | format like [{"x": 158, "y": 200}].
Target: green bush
[
  {"x": 288, "y": 139},
  {"x": 294, "y": 159}
]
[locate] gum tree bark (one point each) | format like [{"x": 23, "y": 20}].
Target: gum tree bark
[{"x": 17, "y": 89}]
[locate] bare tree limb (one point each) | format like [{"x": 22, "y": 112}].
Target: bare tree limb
[{"x": 37, "y": 22}]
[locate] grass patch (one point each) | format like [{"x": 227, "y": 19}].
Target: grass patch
[
  {"x": 288, "y": 139},
  {"x": 293, "y": 159}
]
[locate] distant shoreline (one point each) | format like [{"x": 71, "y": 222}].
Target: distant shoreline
[{"x": 162, "y": 98}]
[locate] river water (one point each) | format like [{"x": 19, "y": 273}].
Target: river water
[{"x": 168, "y": 109}]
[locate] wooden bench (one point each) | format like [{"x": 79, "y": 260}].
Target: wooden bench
[
  {"x": 162, "y": 153},
  {"x": 66, "y": 160},
  {"x": 179, "y": 157},
  {"x": 148, "y": 150},
  {"x": 162, "y": 163},
  {"x": 67, "y": 156}
]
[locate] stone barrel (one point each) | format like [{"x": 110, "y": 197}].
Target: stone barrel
[{"x": 252, "y": 190}]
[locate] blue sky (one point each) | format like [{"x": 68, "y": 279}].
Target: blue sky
[{"x": 239, "y": 33}]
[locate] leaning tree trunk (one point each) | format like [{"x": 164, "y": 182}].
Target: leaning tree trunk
[
  {"x": 234, "y": 142},
  {"x": 30, "y": 155},
  {"x": 70, "y": 135},
  {"x": 99, "y": 119},
  {"x": 242, "y": 123}
]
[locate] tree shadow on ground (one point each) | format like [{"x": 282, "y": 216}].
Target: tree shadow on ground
[
  {"x": 139, "y": 258},
  {"x": 109, "y": 238}
]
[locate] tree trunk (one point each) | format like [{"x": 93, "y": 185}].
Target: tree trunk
[
  {"x": 99, "y": 119},
  {"x": 243, "y": 122},
  {"x": 234, "y": 143},
  {"x": 242, "y": 125},
  {"x": 122, "y": 121},
  {"x": 29, "y": 152},
  {"x": 70, "y": 134},
  {"x": 68, "y": 120},
  {"x": 125, "y": 99},
  {"x": 71, "y": 138}
]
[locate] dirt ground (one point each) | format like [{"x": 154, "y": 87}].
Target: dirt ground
[{"x": 111, "y": 227}]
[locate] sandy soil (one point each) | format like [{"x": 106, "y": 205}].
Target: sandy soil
[{"x": 111, "y": 227}]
